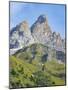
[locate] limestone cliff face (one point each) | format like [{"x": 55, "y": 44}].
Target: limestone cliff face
[
  {"x": 41, "y": 30},
  {"x": 20, "y": 36},
  {"x": 42, "y": 33}
]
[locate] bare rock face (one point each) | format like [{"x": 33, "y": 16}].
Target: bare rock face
[
  {"x": 41, "y": 30},
  {"x": 20, "y": 36},
  {"x": 42, "y": 33},
  {"x": 58, "y": 42}
]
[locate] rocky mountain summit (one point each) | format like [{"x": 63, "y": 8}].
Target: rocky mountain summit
[
  {"x": 40, "y": 32},
  {"x": 20, "y": 36}
]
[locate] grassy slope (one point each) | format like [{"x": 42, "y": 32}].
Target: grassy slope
[
  {"x": 55, "y": 70},
  {"x": 22, "y": 70},
  {"x": 26, "y": 74},
  {"x": 29, "y": 69}
]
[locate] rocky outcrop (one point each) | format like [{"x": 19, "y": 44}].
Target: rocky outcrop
[
  {"x": 20, "y": 36},
  {"x": 42, "y": 33}
]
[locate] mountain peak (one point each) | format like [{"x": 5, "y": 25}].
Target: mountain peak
[
  {"x": 24, "y": 22},
  {"x": 24, "y": 25},
  {"x": 42, "y": 18}
]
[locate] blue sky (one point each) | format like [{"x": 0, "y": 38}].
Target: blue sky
[{"x": 31, "y": 11}]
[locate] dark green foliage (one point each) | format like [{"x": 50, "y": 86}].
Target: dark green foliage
[
  {"x": 41, "y": 79},
  {"x": 60, "y": 55},
  {"x": 44, "y": 58}
]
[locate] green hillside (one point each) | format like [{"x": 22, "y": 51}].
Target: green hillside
[{"x": 32, "y": 67}]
